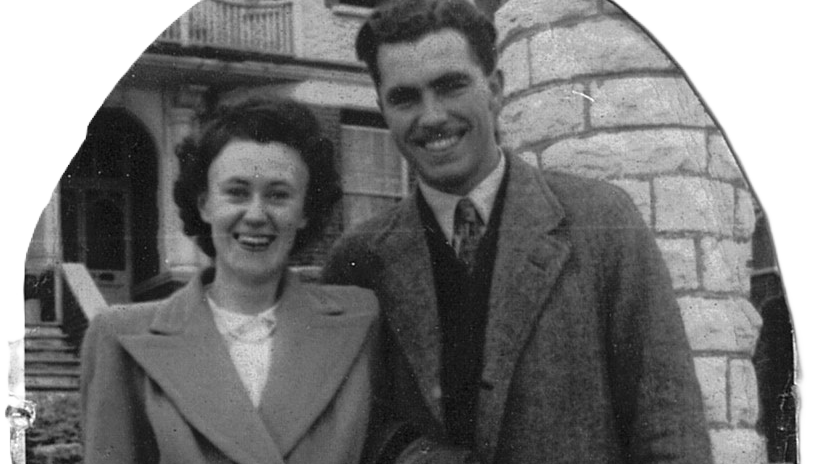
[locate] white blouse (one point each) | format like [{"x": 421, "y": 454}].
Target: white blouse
[{"x": 249, "y": 339}]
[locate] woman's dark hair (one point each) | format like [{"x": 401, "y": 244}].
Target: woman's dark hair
[
  {"x": 395, "y": 21},
  {"x": 262, "y": 121}
]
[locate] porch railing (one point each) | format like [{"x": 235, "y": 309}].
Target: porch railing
[{"x": 263, "y": 26}]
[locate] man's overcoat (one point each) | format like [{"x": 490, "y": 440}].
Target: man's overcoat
[{"x": 586, "y": 358}]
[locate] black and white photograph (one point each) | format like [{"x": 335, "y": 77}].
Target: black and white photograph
[{"x": 412, "y": 231}]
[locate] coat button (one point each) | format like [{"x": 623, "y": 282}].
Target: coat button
[{"x": 436, "y": 393}]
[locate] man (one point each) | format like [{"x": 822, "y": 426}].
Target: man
[{"x": 555, "y": 336}]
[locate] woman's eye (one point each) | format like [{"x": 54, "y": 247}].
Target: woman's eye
[
  {"x": 279, "y": 195},
  {"x": 236, "y": 192}
]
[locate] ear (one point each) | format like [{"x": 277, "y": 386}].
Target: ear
[
  {"x": 202, "y": 206},
  {"x": 303, "y": 222},
  {"x": 495, "y": 81}
]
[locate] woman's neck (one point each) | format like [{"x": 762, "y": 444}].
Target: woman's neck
[{"x": 245, "y": 297}]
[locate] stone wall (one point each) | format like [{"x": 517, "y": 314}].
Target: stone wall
[
  {"x": 587, "y": 91},
  {"x": 327, "y": 33}
]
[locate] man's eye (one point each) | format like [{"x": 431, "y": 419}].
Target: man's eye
[
  {"x": 449, "y": 86},
  {"x": 402, "y": 97}
]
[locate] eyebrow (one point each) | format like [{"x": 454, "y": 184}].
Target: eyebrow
[
  {"x": 449, "y": 78},
  {"x": 234, "y": 180},
  {"x": 402, "y": 91}
]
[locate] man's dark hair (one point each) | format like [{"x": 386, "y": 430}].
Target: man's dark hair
[
  {"x": 261, "y": 121},
  {"x": 396, "y": 21}
]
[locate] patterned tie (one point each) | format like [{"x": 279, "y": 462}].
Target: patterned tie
[{"x": 468, "y": 228}]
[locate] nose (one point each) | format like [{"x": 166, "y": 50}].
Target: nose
[
  {"x": 255, "y": 211},
  {"x": 433, "y": 113}
]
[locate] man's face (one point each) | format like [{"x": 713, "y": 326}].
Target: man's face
[{"x": 441, "y": 109}]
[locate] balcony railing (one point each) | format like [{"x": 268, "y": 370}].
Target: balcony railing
[{"x": 263, "y": 26}]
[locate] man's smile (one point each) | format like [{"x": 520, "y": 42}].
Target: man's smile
[{"x": 438, "y": 141}]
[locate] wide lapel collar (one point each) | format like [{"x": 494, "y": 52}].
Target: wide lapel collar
[
  {"x": 186, "y": 356},
  {"x": 530, "y": 256},
  {"x": 408, "y": 298},
  {"x": 316, "y": 344}
]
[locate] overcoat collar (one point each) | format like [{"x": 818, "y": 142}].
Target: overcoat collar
[
  {"x": 186, "y": 356},
  {"x": 530, "y": 254}
]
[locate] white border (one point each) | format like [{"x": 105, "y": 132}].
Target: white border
[
  {"x": 60, "y": 61},
  {"x": 755, "y": 65},
  {"x": 758, "y": 68}
]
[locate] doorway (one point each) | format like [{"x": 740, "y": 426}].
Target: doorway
[{"x": 108, "y": 205}]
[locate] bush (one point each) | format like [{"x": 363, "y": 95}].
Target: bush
[{"x": 55, "y": 435}]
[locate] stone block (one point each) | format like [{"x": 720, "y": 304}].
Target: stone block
[
  {"x": 530, "y": 158},
  {"x": 646, "y": 101},
  {"x": 630, "y": 153},
  {"x": 744, "y": 394},
  {"x": 594, "y": 47},
  {"x": 639, "y": 191},
  {"x": 745, "y": 214},
  {"x": 722, "y": 164},
  {"x": 712, "y": 375},
  {"x": 738, "y": 446},
  {"x": 609, "y": 7},
  {"x": 693, "y": 204},
  {"x": 725, "y": 265},
  {"x": 330, "y": 36},
  {"x": 680, "y": 257},
  {"x": 730, "y": 325},
  {"x": 541, "y": 116},
  {"x": 515, "y": 65},
  {"x": 520, "y": 15}
]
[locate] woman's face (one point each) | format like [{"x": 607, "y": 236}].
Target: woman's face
[{"x": 255, "y": 205}]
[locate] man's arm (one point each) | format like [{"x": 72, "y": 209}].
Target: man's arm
[
  {"x": 350, "y": 263},
  {"x": 654, "y": 385}
]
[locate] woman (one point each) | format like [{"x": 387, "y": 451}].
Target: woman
[{"x": 244, "y": 364}]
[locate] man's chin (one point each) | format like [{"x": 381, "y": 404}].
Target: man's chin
[{"x": 448, "y": 182}]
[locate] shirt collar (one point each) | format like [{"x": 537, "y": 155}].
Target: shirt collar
[
  {"x": 483, "y": 197},
  {"x": 231, "y": 322}
]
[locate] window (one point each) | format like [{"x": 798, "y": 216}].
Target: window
[
  {"x": 355, "y": 8},
  {"x": 358, "y": 3},
  {"x": 361, "y": 3},
  {"x": 373, "y": 173}
]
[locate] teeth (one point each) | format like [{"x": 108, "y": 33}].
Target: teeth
[
  {"x": 255, "y": 240},
  {"x": 441, "y": 144}
]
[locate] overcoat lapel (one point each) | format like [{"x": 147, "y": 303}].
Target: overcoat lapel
[
  {"x": 530, "y": 256},
  {"x": 186, "y": 356},
  {"x": 410, "y": 307},
  {"x": 318, "y": 342}
]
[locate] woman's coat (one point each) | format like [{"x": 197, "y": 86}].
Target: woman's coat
[{"x": 158, "y": 384}]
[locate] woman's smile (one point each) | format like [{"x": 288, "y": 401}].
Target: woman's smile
[{"x": 254, "y": 242}]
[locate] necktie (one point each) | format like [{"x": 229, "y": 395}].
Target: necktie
[{"x": 467, "y": 231}]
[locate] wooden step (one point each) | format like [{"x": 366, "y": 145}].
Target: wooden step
[
  {"x": 43, "y": 331},
  {"x": 50, "y": 339},
  {"x": 50, "y": 362},
  {"x": 52, "y": 381},
  {"x": 49, "y": 355}
]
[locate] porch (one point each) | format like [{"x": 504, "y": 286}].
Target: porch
[{"x": 263, "y": 26}]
